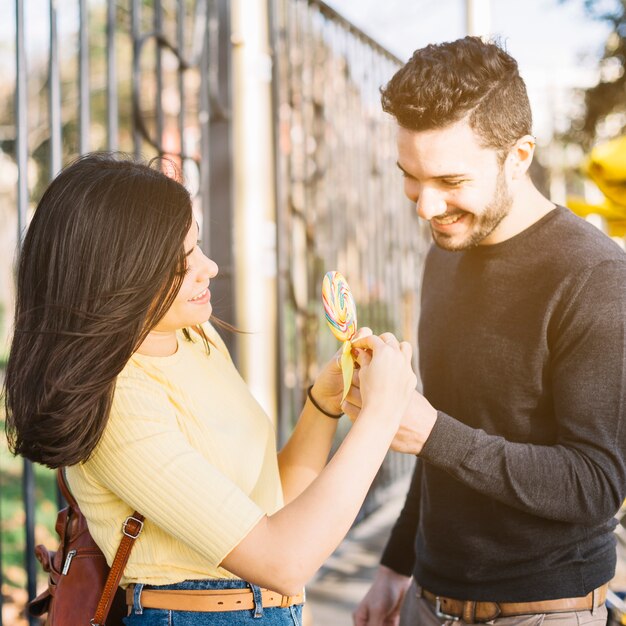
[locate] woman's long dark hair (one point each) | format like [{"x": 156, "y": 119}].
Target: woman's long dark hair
[{"x": 101, "y": 263}]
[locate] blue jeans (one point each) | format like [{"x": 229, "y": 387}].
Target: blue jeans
[{"x": 272, "y": 616}]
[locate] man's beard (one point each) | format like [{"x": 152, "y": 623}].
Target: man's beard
[{"x": 482, "y": 225}]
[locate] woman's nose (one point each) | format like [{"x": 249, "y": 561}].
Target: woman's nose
[{"x": 210, "y": 268}]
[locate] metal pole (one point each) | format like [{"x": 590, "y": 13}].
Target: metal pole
[
  {"x": 254, "y": 213},
  {"x": 158, "y": 68},
  {"x": 54, "y": 95},
  {"x": 112, "y": 105},
  {"x": 180, "y": 44},
  {"x": 21, "y": 148},
  {"x": 83, "y": 82},
  {"x": 135, "y": 17},
  {"x": 28, "y": 494},
  {"x": 21, "y": 112},
  {"x": 221, "y": 204},
  {"x": 282, "y": 415},
  {"x": 204, "y": 116},
  {"x": 478, "y": 17}
]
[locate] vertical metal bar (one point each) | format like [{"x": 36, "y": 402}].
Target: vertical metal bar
[
  {"x": 306, "y": 87},
  {"x": 21, "y": 112},
  {"x": 28, "y": 494},
  {"x": 112, "y": 105},
  {"x": 291, "y": 306},
  {"x": 158, "y": 68},
  {"x": 1, "y": 583},
  {"x": 135, "y": 21},
  {"x": 54, "y": 94},
  {"x": 204, "y": 116},
  {"x": 299, "y": 188},
  {"x": 83, "y": 80},
  {"x": 281, "y": 292},
  {"x": 21, "y": 148},
  {"x": 217, "y": 158},
  {"x": 180, "y": 44}
]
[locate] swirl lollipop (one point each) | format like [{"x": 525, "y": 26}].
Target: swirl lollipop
[{"x": 340, "y": 311}]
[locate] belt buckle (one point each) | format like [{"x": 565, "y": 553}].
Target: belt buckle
[{"x": 440, "y": 614}]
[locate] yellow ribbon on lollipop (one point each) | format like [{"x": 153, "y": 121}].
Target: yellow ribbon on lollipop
[{"x": 340, "y": 312}]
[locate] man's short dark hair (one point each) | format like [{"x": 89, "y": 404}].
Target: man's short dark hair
[{"x": 443, "y": 83}]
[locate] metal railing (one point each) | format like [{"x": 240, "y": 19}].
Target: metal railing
[
  {"x": 340, "y": 200},
  {"x": 152, "y": 78}
]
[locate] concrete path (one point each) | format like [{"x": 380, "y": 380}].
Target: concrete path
[{"x": 348, "y": 573}]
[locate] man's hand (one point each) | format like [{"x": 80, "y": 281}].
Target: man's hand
[
  {"x": 381, "y": 605},
  {"x": 416, "y": 424}
]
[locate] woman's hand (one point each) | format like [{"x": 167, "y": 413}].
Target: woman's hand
[
  {"x": 328, "y": 387},
  {"x": 386, "y": 378},
  {"x": 416, "y": 424}
]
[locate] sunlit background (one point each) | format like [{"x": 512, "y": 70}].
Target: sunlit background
[{"x": 270, "y": 109}]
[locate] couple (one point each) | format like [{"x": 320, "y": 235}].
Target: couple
[{"x": 116, "y": 373}]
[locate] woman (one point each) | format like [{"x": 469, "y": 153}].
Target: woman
[{"x": 115, "y": 372}]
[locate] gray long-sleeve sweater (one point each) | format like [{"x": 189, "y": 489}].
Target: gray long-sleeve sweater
[{"x": 523, "y": 352}]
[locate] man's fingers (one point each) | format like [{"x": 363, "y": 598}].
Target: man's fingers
[
  {"x": 354, "y": 396},
  {"x": 407, "y": 350},
  {"x": 350, "y": 410},
  {"x": 360, "y": 617}
]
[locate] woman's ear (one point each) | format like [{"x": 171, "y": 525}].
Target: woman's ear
[{"x": 521, "y": 156}]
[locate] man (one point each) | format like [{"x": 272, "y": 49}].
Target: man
[{"x": 520, "y": 434}]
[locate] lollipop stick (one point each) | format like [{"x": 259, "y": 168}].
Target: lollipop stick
[{"x": 347, "y": 367}]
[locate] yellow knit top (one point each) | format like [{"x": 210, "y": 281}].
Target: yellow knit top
[{"x": 187, "y": 446}]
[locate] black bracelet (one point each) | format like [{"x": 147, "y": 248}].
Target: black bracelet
[{"x": 318, "y": 407}]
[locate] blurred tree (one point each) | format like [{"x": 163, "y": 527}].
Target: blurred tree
[{"x": 608, "y": 97}]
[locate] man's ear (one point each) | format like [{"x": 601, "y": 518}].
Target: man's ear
[{"x": 521, "y": 156}]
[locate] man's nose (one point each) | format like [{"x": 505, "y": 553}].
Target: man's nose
[{"x": 430, "y": 204}]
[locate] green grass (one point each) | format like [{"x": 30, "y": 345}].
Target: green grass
[{"x": 12, "y": 527}]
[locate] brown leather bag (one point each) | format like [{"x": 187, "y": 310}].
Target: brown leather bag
[{"x": 82, "y": 590}]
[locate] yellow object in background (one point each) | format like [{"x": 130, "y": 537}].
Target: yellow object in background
[{"x": 606, "y": 167}]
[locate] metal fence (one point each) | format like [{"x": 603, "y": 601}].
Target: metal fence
[
  {"x": 152, "y": 78},
  {"x": 149, "y": 78},
  {"x": 340, "y": 200}
]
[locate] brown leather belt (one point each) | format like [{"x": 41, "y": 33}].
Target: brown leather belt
[
  {"x": 473, "y": 612},
  {"x": 209, "y": 600}
]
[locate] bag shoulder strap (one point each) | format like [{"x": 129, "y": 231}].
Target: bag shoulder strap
[
  {"x": 64, "y": 488},
  {"x": 131, "y": 529}
]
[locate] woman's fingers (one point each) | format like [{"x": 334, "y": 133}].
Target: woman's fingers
[
  {"x": 354, "y": 396},
  {"x": 362, "y": 332},
  {"x": 370, "y": 342},
  {"x": 363, "y": 358},
  {"x": 407, "y": 350},
  {"x": 337, "y": 359},
  {"x": 350, "y": 410},
  {"x": 390, "y": 339}
]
